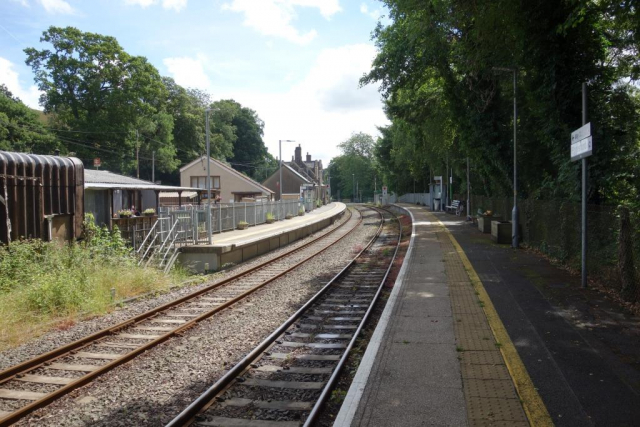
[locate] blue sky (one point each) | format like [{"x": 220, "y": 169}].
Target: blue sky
[{"x": 296, "y": 62}]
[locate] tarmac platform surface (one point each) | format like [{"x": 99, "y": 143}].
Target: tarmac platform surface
[
  {"x": 262, "y": 231},
  {"x": 479, "y": 334}
]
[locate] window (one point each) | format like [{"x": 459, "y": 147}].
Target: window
[{"x": 201, "y": 182}]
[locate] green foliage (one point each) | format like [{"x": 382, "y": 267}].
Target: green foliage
[
  {"x": 20, "y": 129},
  {"x": 447, "y": 102},
  {"x": 355, "y": 167},
  {"x": 269, "y": 216},
  {"x": 103, "y": 96},
  {"x": 43, "y": 281}
]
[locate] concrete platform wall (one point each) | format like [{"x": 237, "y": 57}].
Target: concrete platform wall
[{"x": 196, "y": 257}]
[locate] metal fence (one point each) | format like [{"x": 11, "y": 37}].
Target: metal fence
[
  {"x": 414, "y": 198},
  {"x": 553, "y": 227},
  {"x": 192, "y": 220}
]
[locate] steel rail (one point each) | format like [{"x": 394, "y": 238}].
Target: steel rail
[
  {"x": 205, "y": 399},
  {"x": 42, "y": 360},
  {"x": 324, "y": 395}
]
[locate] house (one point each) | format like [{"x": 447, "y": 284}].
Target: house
[
  {"x": 227, "y": 184},
  {"x": 300, "y": 176},
  {"x": 295, "y": 183},
  {"x": 105, "y": 193}
]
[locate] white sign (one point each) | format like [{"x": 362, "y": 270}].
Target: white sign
[
  {"x": 580, "y": 134},
  {"x": 581, "y": 143},
  {"x": 384, "y": 190},
  {"x": 581, "y": 149}
]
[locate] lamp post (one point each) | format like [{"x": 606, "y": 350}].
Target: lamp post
[
  {"x": 209, "y": 230},
  {"x": 514, "y": 212},
  {"x": 280, "y": 150}
]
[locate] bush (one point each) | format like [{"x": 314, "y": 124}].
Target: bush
[
  {"x": 41, "y": 282},
  {"x": 270, "y": 217}
]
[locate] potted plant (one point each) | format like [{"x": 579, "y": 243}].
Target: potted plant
[
  {"x": 125, "y": 213},
  {"x": 288, "y": 216},
  {"x": 149, "y": 212},
  {"x": 485, "y": 219},
  {"x": 270, "y": 218},
  {"x": 243, "y": 225},
  {"x": 301, "y": 211}
]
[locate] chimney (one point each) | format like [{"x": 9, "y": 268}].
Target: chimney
[
  {"x": 308, "y": 157},
  {"x": 299, "y": 154}
]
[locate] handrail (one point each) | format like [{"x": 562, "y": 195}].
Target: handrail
[{"x": 147, "y": 237}]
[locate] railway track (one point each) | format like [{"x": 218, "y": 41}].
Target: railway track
[
  {"x": 287, "y": 378},
  {"x": 37, "y": 382}
]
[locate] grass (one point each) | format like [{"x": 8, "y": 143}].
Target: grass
[{"x": 45, "y": 285}]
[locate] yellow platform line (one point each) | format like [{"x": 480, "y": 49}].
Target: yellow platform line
[{"x": 532, "y": 403}]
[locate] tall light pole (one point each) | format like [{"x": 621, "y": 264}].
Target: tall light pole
[
  {"x": 280, "y": 150},
  {"x": 209, "y": 229},
  {"x": 514, "y": 213}
]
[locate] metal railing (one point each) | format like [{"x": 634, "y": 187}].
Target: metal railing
[{"x": 187, "y": 225}]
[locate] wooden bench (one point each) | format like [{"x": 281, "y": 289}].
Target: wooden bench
[{"x": 454, "y": 207}]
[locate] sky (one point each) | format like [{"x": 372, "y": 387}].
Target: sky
[{"x": 297, "y": 63}]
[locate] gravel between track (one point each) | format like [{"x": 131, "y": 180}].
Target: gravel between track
[
  {"x": 57, "y": 337},
  {"x": 156, "y": 386}
]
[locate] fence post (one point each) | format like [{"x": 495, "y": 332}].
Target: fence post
[{"x": 220, "y": 216}]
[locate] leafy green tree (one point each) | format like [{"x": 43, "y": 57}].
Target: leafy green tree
[
  {"x": 102, "y": 96},
  {"x": 437, "y": 70},
  {"x": 355, "y": 165},
  {"x": 20, "y": 129}
]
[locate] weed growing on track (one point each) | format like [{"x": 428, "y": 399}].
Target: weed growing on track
[{"x": 47, "y": 283}]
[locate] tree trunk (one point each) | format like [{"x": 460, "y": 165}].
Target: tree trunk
[{"x": 630, "y": 288}]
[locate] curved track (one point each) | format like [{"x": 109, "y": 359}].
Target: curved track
[
  {"x": 287, "y": 378},
  {"x": 39, "y": 381}
]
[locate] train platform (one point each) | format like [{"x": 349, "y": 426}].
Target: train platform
[
  {"x": 480, "y": 334},
  {"x": 437, "y": 355},
  {"x": 241, "y": 245}
]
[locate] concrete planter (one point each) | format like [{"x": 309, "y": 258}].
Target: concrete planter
[
  {"x": 484, "y": 222},
  {"x": 242, "y": 226},
  {"x": 501, "y": 231},
  {"x": 270, "y": 220}
]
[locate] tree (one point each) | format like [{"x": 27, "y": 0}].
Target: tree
[
  {"x": 436, "y": 68},
  {"x": 20, "y": 129},
  {"x": 102, "y": 96},
  {"x": 354, "y": 165}
]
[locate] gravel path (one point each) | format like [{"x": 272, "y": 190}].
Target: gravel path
[
  {"x": 57, "y": 337},
  {"x": 153, "y": 388}
]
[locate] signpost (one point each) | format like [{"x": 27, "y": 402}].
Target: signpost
[
  {"x": 96, "y": 163},
  {"x": 581, "y": 143},
  {"x": 581, "y": 148}
]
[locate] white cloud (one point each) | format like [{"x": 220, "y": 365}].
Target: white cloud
[
  {"x": 57, "y": 6},
  {"x": 22, "y": 2},
  {"x": 188, "y": 72},
  {"x": 375, "y": 14},
  {"x": 274, "y": 17},
  {"x": 324, "y": 109},
  {"x": 10, "y": 78},
  {"x": 319, "y": 112},
  {"x": 176, "y": 5},
  {"x": 141, "y": 3}
]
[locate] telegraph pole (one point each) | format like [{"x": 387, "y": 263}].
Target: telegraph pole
[{"x": 137, "y": 156}]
